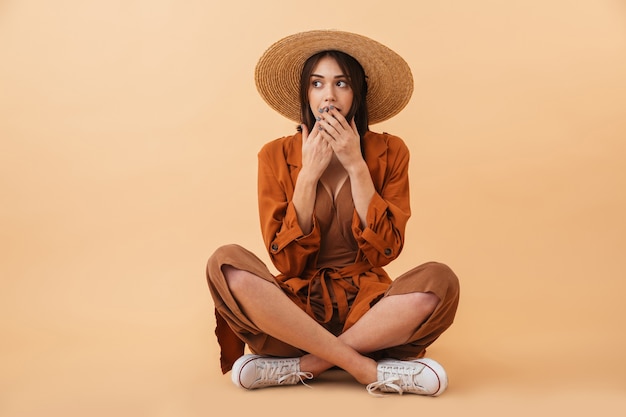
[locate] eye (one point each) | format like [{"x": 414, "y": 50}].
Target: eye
[
  {"x": 342, "y": 84},
  {"x": 316, "y": 84}
]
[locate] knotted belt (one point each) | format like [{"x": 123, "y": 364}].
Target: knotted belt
[{"x": 340, "y": 287}]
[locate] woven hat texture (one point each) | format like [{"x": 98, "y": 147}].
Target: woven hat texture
[{"x": 389, "y": 78}]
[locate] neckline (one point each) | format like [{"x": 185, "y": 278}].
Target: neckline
[{"x": 340, "y": 184}]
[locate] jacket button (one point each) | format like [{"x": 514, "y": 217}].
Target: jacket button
[
  {"x": 274, "y": 247},
  {"x": 388, "y": 251}
]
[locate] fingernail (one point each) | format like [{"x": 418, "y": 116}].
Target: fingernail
[
  {"x": 321, "y": 110},
  {"x": 318, "y": 118},
  {"x": 332, "y": 107}
]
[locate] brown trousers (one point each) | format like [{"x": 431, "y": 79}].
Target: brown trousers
[{"x": 234, "y": 329}]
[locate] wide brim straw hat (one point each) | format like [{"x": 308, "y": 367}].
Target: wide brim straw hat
[{"x": 278, "y": 71}]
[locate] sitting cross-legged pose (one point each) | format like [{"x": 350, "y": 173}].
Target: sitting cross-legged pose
[{"x": 333, "y": 203}]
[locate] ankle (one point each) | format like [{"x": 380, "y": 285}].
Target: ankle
[
  {"x": 367, "y": 372},
  {"x": 314, "y": 365}
]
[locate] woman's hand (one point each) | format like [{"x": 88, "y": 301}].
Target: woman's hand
[
  {"x": 316, "y": 151},
  {"x": 316, "y": 155},
  {"x": 343, "y": 137}
]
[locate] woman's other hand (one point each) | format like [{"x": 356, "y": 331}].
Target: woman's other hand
[{"x": 343, "y": 137}]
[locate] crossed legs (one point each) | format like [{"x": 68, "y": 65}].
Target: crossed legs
[{"x": 389, "y": 323}]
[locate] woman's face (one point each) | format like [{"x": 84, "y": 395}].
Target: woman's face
[{"x": 329, "y": 86}]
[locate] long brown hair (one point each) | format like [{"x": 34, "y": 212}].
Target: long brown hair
[{"x": 356, "y": 79}]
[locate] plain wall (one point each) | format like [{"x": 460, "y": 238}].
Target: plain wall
[{"x": 129, "y": 132}]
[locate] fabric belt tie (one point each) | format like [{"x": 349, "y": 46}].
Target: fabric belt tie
[{"x": 341, "y": 288}]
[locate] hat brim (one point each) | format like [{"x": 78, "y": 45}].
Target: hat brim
[{"x": 389, "y": 78}]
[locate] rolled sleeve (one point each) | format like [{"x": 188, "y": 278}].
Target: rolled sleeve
[{"x": 381, "y": 241}]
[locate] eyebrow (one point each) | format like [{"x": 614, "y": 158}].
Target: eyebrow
[{"x": 321, "y": 76}]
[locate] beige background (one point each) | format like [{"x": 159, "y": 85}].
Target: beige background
[{"x": 129, "y": 131}]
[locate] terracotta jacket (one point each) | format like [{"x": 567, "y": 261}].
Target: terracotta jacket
[
  {"x": 294, "y": 254},
  {"x": 381, "y": 241}
]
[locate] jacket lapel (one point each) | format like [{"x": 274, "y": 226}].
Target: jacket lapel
[{"x": 375, "y": 154}]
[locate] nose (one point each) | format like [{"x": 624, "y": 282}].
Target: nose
[{"x": 329, "y": 93}]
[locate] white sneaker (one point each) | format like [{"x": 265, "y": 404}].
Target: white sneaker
[
  {"x": 420, "y": 376},
  {"x": 255, "y": 371}
]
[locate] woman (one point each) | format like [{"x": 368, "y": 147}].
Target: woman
[{"x": 333, "y": 205}]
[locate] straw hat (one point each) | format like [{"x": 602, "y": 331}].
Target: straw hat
[{"x": 389, "y": 79}]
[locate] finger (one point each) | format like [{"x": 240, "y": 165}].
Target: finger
[
  {"x": 330, "y": 125},
  {"x": 328, "y": 133},
  {"x": 342, "y": 122},
  {"x": 329, "y": 140},
  {"x": 312, "y": 134},
  {"x": 305, "y": 132},
  {"x": 354, "y": 128}
]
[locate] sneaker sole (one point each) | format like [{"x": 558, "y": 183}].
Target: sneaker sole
[
  {"x": 442, "y": 377},
  {"x": 238, "y": 366}
]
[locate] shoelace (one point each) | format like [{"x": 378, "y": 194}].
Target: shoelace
[
  {"x": 395, "y": 383},
  {"x": 271, "y": 372},
  {"x": 294, "y": 376},
  {"x": 387, "y": 383}
]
